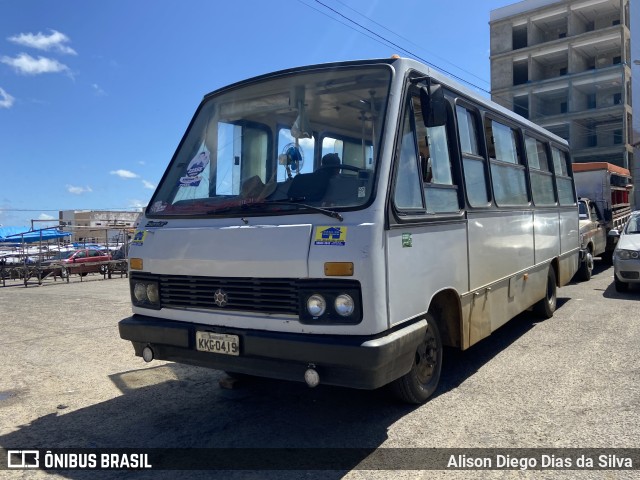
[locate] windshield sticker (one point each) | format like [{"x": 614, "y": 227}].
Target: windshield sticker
[
  {"x": 198, "y": 164},
  {"x": 158, "y": 206},
  {"x": 138, "y": 238},
  {"x": 331, "y": 236},
  {"x": 189, "y": 181},
  {"x": 362, "y": 192}
]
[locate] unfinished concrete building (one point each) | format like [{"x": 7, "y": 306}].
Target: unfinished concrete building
[{"x": 565, "y": 64}]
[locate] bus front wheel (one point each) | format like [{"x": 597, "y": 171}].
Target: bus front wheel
[
  {"x": 423, "y": 378},
  {"x": 546, "y": 306}
]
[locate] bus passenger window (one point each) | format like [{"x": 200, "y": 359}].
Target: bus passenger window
[
  {"x": 507, "y": 171},
  {"x": 559, "y": 162},
  {"x": 566, "y": 189},
  {"x": 475, "y": 177},
  {"x": 504, "y": 143},
  {"x": 467, "y": 131},
  {"x": 539, "y": 172},
  {"x": 435, "y": 159}
]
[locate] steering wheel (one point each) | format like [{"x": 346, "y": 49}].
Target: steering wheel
[{"x": 342, "y": 166}]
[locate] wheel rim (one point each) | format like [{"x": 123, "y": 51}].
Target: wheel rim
[
  {"x": 551, "y": 294},
  {"x": 589, "y": 261},
  {"x": 427, "y": 357}
]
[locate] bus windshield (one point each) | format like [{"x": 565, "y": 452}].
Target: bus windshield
[{"x": 299, "y": 139}]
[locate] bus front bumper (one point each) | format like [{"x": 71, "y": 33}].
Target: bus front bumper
[{"x": 365, "y": 362}]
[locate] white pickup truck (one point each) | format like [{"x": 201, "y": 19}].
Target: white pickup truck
[{"x": 603, "y": 190}]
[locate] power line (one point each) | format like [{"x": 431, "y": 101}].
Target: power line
[
  {"x": 408, "y": 52},
  {"x": 412, "y": 43},
  {"x": 385, "y": 41}
]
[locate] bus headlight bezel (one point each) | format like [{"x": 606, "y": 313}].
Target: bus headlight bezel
[
  {"x": 342, "y": 302},
  {"x": 145, "y": 293}
]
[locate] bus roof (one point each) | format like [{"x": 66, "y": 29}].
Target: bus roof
[{"x": 406, "y": 64}]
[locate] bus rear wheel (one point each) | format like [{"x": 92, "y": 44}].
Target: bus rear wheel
[
  {"x": 547, "y": 306},
  {"x": 423, "y": 378}
]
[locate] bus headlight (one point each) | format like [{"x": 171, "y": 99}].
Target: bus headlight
[
  {"x": 344, "y": 305},
  {"x": 316, "y": 305},
  {"x": 152, "y": 293},
  {"x": 140, "y": 292}
]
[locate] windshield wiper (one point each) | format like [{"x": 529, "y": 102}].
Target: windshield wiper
[
  {"x": 254, "y": 206},
  {"x": 324, "y": 211}
]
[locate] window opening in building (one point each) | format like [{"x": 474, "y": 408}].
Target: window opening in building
[
  {"x": 519, "y": 36},
  {"x": 521, "y": 106},
  {"x": 520, "y": 73}
]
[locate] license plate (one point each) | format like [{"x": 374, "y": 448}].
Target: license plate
[{"x": 218, "y": 343}]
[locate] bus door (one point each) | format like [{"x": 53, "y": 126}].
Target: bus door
[{"x": 427, "y": 239}]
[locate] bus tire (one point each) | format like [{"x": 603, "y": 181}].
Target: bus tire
[
  {"x": 586, "y": 268},
  {"x": 423, "y": 378},
  {"x": 547, "y": 306}
]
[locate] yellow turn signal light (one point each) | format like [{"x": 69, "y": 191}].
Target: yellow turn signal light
[
  {"x": 338, "y": 269},
  {"x": 135, "y": 263}
]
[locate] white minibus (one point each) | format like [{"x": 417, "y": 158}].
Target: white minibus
[{"x": 341, "y": 223}]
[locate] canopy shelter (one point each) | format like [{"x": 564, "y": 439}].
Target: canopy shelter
[{"x": 24, "y": 234}]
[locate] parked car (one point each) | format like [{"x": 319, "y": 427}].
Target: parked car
[
  {"x": 92, "y": 259},
  {"x": 626, "y": 257}
]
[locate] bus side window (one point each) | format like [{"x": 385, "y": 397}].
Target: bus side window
[
  {"x": 564, "y": 182},
  {"x": 408, "y": 191},
  {"x": 539, "y": 172},
  {"x": 507, "y": 170},
  {"x": 441, "y": 194},
  {"x": 473, "y": 164}
]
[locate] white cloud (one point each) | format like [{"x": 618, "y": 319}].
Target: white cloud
[
  {"x": 124, "y": 173},
  {"x": 137, "y": 204},
  {"x": 148, "y": 185},
  {"x": 78, "y": 190},
  {"x": 98, "y": 90},
  {"x": 6, "y": 100},
  {"x": 55, "y": 41},
  {"x": 27, "y": 65},
  {"x": 44, "y": 216}
]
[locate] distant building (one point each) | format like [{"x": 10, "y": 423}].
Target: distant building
[
  {"x": 566, "y": 65},
  {"x": 98, "y": 226}
]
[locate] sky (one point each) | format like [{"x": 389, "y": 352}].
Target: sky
[{"x": 95, "y": 96}]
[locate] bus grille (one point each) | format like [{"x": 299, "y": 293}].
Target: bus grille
[{"x": 265, "y": 295}]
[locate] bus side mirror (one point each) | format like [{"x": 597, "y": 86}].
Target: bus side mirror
[{"x": 434, "y": 106}]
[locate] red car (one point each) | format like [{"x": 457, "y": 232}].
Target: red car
[{"x": 91, "y": 257}]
